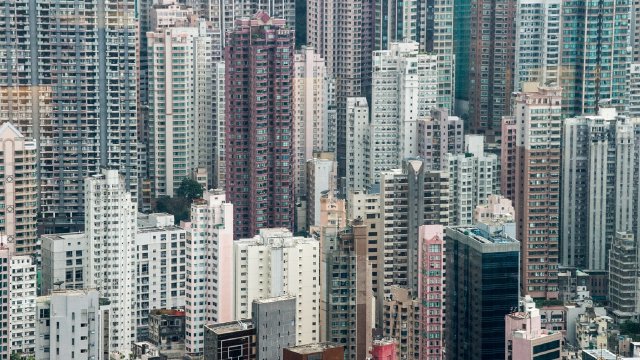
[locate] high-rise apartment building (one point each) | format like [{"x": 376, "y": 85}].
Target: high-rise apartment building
[
  {"x": 209, "y": 284},
  {"x": 310, "y": 112},
  {"x": 633, "y": 89},
  {"x": 347, "y": 319},
  {"x": 275, "y": 263},
  {"x": 482, "y": 286},
  {"x": 623, "y": 276},
  {"x": 395, "y": 21},
  {"x": 592, "y": 75},
  {"x": 412, "y": 196},
  {"x": 18, "y": 189},
  {"x": 160, "y": 268},
  {"x": 598, "y": 186},
  {"x": 180, "y": 107},
  {"x": 404, "y": 89},
  {"x": 343, "y": 34},
  {"x": 275, "y": 322},
  {"x": 473, "y": 177},
  {"x": 508, "y": 147},
  {"x": 321, "y": 180},
  {"x": 461, "y": 49},
  {"x": 72, "y": 324},
  {"x": 401, "y": 321},
  {"x": 110, "y": 213},
  {"x": 5, "y": 309},
  {"x": 435, "y": 35},
  {"x": 491, "y": 64},
  {"x": 431, "y": 292},
  {"x": 358, "y": 143},
  {"x": 22, "y": 302},
  {"x": 439, "y": 134},
  {"x": 538, "y": 42},
  {"x": 75, "y": 92},
  {"x": 537, "y": 188},
  {"x": 259, "y": 125},
  {"x": 63, "y": 262}
]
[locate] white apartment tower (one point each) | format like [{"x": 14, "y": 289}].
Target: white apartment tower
[
  {"x": 310, "y": 111},
  {"x": 473, "y": 177},
  {"x": 404, "y": 90},
  {"x": 538, "y": 42},
  {"x": 18, "y": 189},
  {"x": 72, "y": 324},
  {"x": 633, "y": 89},
  {"x": 111, "y": 230},
  {"x": 275, "y": 263},
  {"x": 357, "y": 144},
  {"x": 22, "y": 302},
  {"x": 160, "y": 267},
  {"x": 598, "y": 186},
  {"x": 182, "y": 123},
  {"x": 209, "y": 283}
]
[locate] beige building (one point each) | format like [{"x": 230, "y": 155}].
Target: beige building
[
  {"x": 402, "y": 322},
  {"x": 18, "y": 189}
]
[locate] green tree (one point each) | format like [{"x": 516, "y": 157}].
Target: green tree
[
  {"x": 189, "y": 189},
  {"x": 177, "y": 206}
]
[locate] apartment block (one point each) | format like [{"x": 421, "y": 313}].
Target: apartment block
[
  {"x": 275, "y": 263},
  {"x": 209, "y": 284},
  {"x": 275, "y": 322},
  {"x": 538, "y": 121},
  {"x": 358, "y": 141},
  {"x": 259, "y": 154},
  {"x": 19, "y": 189},
  {"x": 322, "y": 171},
  {"x": 64, "y": 262},
  {"x": 72, "y": 324},
  {"x": 160, "y": 268},
  {"x": 404, "y": 90},
  {"x": 437, "y": 135},
  {"x": 111, "y": 229},
  {"x": 623, "y": 276},
  {"x": 22, "y": 303},
  {"x": 524, "y": 337}
]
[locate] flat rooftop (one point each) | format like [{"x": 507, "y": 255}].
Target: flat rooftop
[
  {"x": 230, "y": 327},
  {"x": 313, "y": 348},
  {"x": 274, "y": 299},
  {"x": 483, "y": 241}
]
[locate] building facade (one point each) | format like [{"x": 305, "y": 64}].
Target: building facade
[
  {"x": 275, "y": 323},
  {"x": 358, "y": 142},
  {"x": 439, "y": 134},
  {"x": 259, "y": 154},
  {"x": 18, "y": 190}
]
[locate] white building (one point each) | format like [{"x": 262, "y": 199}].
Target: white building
[
  {"x": 22, "y": 299},
  {"x": 160, "y": 267},
  {"x": 472, "y": 179},
  {"x": 276, "y": 263},
  {"x": 357, "y": 144},
  {"x": 538, "y": 42},
  {"x": 322, "y": 178},
  {"x": 209, "y": 296},
  {"x": 633, "y": 89},
  {"x": 64, "y": 264},
  {"x": 404, "y": 90},
  {"x": 439, "y": 134},
  {"x": 598, "y": 187},
  {"x": 110, "y": 226},
  {"x": 497, "y": 207},
  {"x": 72, "y": 324},
  {"x": 182, "y": 122},
  {"x": 310, "y": 111}
]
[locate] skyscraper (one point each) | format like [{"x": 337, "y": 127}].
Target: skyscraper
[
  {"x": 538, "y": 117},
  {"x": 482, "y": 286},
  {"x": 111, "y": 230},
  {"x": 491, "y": 56},
  {"x": 358, "y": 144},
  {"x": 79, "y": 83},
  {"x": 180, "y": 114},
  {"x": 538, "y": 42},
  {"x": 598, "y": 166},
  {"x": 342, "y": 32},
  {"x": 594, "y": 56},
  {"x": 209, "y": 284},
  {"x": 395, "y": 21},
  {"x": 404, "y": 90},
  {"x": 259, "y": 124},
  {"x": 18, "y": 190}
]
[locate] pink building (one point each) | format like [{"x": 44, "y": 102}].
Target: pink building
[
  {"x": 384, "y": 350},
  {"x": 508, "y": 157},
  {"x": 524, "y": 337},
  {"x": 431, "y": 289},
  {"x": 259, "y": 59},
  {"x": 496, "y": 208},
  {"x": 5, "y": 275}
]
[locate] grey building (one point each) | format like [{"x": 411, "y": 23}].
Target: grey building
[
  {"x": 64, "y": 261},
  {"x": 623, "y": 277},
  {"x": 233, "y": 340},
  {"x": 275, "y": 322},
  {"x": 68, "y": 79}
]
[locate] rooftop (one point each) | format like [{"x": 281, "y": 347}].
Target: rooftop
[
  {"x": 313, "y": 348},
  {"x": 230, "y": 327},
  {"x": 484, "y": 237},
  {"x": 274, "y": 299},
  {"x": 602, "y": 354}
]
